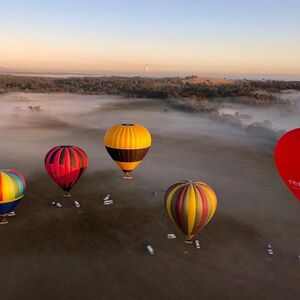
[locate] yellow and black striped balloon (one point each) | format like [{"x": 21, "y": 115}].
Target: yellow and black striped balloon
[
  {"x": 190, "y": 205},
  {"x": 127, "y": 144}
]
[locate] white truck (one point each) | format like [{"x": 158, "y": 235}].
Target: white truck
[{"x": 148, "y": 248}]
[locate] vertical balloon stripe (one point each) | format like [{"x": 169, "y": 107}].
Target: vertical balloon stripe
[
  {"x": 191, "y": 209},
  {"x": 78, "y": 157},
  {"x": 171, "y": 194},
  {"x": 136, "y": 137},
  {"x": 213, "y": 201},
  {"x": 83, "y": 158},
  {"x": 185, "y": 210},
  {"x": 199, "y": 209},
  {"x": 1, "y": 190},
  {"x": 179, "y": 209},
  {"x": 53, "y": 155},
  {"x": 126, "y": 137},
  {"x": 21, "y": 186},
  {"x": 18, "y": 181},
  {"x": 168, "y": 199},
  {"x": 18, "y": 177},
  {"x": 121, "y": 137},
  {"x": 62, "y": 156},
  {"x": 5, "y": 186},
  {"x": 174, "y": 204},
  {"x": 205, "y": 206},
  {"x": 209, "y": 206},
  {"x": 211, "y": 195},
  {"x": 13, "y": 187},
  {"x": 115, "y": 138},
  {"x": 73, "y": 158},
  {"x": 56, "y": 161},
  {"x": 15, "y": 181},
  {"x": 67, "y": 161},
  {"x": 80, "y": 162},
  {"x": 115, "y": 135}
]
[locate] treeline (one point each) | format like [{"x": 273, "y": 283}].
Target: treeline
[
  {"x": 243, "y": 91},
  {"x": 272, "y": 85},
  {"x": 88, "y": 85}
]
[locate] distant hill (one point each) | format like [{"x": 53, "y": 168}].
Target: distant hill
[{"x": 207, "y": 80}]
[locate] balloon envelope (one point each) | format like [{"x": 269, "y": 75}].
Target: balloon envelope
[
  {"x": 190, "y": 205},
  {"x": 287, "y": 160},
  {"x": 127, "y": 144},
  {"x": 12, "y": 189},
  {"x": 65, "y": 165}
]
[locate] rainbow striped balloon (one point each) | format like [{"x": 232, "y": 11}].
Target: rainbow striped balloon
[
  {"x": 12, "y": 188},
  {"x": 190, "y": 205}
]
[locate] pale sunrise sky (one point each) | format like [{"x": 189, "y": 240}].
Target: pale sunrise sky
[{"x": 253, "y": 37}]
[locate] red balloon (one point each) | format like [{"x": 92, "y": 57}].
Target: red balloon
[
  {"x": 65, "y": 165},
  {"x": 287, "y": 160}
]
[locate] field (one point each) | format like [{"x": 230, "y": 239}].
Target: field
[{"x": 95, "y": 252}]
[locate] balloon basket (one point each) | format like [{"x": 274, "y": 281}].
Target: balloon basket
[
  {"x": 3, "y": 220},
  {"x": 67, "y": 195},
  {"x": 127, "y": 176},
  {"x": 189, "y": 242}
]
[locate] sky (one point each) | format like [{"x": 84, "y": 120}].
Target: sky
[{"x": 151, "y": 36}]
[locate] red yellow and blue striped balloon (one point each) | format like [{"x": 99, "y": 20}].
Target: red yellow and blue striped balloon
[
  {"x": 12, "y": 189},
  {"x": 190, "y": 205}
]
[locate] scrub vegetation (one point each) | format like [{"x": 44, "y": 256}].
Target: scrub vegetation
[{"x": 199, "y": 95}]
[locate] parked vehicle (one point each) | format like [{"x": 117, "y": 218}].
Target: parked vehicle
[
  {"x": 76, "y": 204},
  {"x": 108, "y": 202},
  {"x": 197, "y": 244},
  {"x": 107, "y": 197},
  {"x": 171, "y": 236},
  {"x": 148, "y": 248}
]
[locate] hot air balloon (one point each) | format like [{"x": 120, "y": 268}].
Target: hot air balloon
[
  {"x": 65, "y": 165},
  {"x": 190, "y": 205},
  {"x": 287, "y": 160},
  {"x": 12, "y": 189},
  {"x": 127, "y": 144}
]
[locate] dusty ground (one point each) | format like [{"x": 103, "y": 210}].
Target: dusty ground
[{"x": 95, "y": 252}]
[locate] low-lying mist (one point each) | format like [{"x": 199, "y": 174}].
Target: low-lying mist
[
  {"x": 278, "y": 117},
  {"x": 235, "y": 158}
]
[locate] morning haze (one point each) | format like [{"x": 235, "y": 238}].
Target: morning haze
[{"x": 216, "y": 83}]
